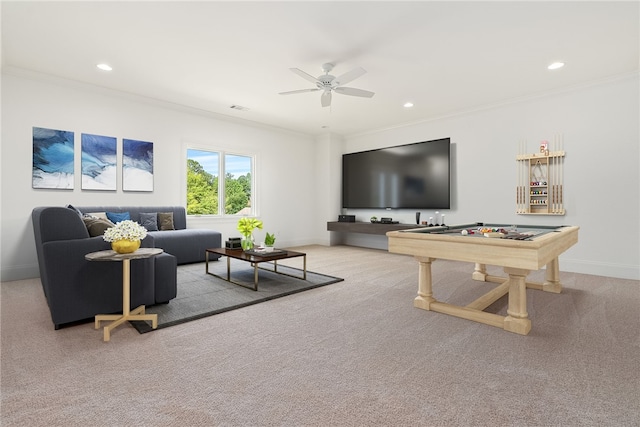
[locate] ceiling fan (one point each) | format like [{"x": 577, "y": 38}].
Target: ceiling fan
[{"x": 328, "y": 83}]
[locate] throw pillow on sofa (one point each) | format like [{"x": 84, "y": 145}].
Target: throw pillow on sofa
[
  {"x": 96, "y": 226},
  {"x": 165, "y": 220},
  {"x": 101, "y": 215},
  {"x": 149, "y": 221},
  {"x": 73, "y": 208},
  {"x": 116, "y": 217}
]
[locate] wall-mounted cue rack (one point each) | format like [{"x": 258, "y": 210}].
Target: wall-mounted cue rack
[{"x": 540, "y": 189}]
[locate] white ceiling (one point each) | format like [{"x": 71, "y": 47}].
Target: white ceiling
[{"x": 445, "y": 57}]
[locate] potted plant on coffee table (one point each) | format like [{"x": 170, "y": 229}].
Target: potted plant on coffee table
[{"x": 269, "y": 241}]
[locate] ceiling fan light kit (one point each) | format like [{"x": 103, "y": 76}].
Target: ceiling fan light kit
[{"x": 328, "y": 84}]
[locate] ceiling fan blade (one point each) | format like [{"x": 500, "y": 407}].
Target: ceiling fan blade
[
  {"x": 325, "y": 99},
  {"x": 304, "y": 75},
  {"x": 291, "y": 92},
  {"x": 354, "y": 92},
  {"x": 349, "y": 76}
]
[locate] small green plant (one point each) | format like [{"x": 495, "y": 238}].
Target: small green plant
[{"x": 269, "y": 239}]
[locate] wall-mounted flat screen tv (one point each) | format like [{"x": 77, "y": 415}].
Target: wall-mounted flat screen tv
[{"x": 412, "y": 176}]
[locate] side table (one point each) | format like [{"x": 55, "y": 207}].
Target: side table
[{"x": 127, "y": 314}]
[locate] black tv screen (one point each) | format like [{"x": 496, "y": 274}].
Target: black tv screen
[{"x": 412, "y": 176}]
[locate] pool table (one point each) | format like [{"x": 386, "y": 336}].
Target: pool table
[{"x": 519, "y": 249}]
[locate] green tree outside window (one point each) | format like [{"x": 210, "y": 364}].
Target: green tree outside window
[{"x": 203, "y": 194}]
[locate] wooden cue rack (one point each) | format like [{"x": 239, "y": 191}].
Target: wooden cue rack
[{"x": 539, "y": 190}]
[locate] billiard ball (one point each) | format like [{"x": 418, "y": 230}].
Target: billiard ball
[{"x": 464, "y": 232}]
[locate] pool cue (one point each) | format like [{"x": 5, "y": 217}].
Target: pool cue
[
  {"x": 552, "y": 178},
  {"x": 561, "y": 172}
]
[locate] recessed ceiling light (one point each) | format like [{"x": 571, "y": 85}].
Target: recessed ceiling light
[
  {"x": 555, "y": 65},
  {"x": 104, "y": 67},
  {"x": 408, "y": 104}
]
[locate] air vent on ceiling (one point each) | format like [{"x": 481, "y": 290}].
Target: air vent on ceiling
[{"x": 239, "y": 107}]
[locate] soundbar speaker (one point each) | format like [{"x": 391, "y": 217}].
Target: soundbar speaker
[{"x": 346, "y": 218}]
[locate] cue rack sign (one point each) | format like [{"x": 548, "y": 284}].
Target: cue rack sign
[{"x": 539, "y": 190}]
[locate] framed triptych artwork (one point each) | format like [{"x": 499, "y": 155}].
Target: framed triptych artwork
[{"x": 54, "y": 161}]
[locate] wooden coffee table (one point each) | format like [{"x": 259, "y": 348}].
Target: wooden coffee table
[{"x": 255, "y": 259}]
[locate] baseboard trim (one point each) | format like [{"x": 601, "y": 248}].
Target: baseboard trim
[
  {"x": 20, "y": 272},
  {"x": 620, "y": 271}
]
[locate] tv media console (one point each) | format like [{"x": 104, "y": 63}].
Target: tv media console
[{"x": 368, "y": 227}]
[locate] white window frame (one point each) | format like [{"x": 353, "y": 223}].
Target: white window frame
[{"x": 221, "y": 179}]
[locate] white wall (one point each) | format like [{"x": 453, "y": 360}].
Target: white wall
[
  {"x": 329, "y": 151},
  {"x": 600, "y": 126},
  {"x": 285, "y": 165},
  {"x": 299, "y": 177}
]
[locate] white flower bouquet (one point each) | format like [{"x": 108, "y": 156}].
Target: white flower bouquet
[{"x": 125, "y": 230}]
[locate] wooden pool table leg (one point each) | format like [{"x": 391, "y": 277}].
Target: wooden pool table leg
[
  {"x": 425, "y": 284},
  {"x": 480, "y": 272},
  {"x": 552, "y": 277},
  {"x": 518, "y": 319}
]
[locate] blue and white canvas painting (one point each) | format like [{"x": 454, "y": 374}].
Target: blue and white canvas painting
[
  {"x": 137, "y": 165},
  {"x": 98, "y": 162},
  {"x": 52, "y": 159}
]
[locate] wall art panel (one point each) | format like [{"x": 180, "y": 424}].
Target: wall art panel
[
  {"x": 137, "y": 165},
  {"x": 98, "y": 162},
  {"x": 53, "y": 155}
]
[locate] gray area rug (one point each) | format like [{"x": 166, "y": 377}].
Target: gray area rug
[{"x": 202, "y": 295}]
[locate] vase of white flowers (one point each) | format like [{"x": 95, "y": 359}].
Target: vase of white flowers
[
  {"x": 246, "y": 227},
  {"x": 125, "y": 236}
]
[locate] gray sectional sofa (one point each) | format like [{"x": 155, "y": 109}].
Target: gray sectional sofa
[
  {"x": 186, "y": 244},
  {"x": 77, "y": 289}
]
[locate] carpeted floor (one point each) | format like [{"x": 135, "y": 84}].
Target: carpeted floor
[
  {"x": 202, "y": 295},
  {"x": 357, "y": 353}
]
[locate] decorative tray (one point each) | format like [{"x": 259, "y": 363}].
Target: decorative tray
[{"x": 264, "y": 253}]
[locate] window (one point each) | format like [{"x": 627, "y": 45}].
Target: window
[{"x": 219, "y": 183}]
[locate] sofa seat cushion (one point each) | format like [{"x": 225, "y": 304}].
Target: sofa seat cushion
[
  {"x": 187, "y": 245},
  {"x": 166, "y": 278}
]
